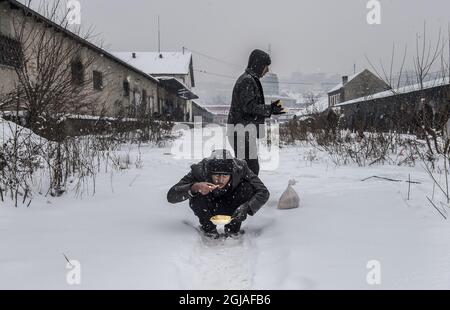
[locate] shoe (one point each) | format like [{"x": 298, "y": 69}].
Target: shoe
[
  {"x": 213, "y": 235},
  {"x": 210, "y": 232},
  {"x": 234, "y": 235}
]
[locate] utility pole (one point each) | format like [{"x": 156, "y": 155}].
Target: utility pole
[{"x": 159, "y": 38}]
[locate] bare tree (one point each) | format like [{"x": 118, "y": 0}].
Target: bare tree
[
  {"x": 311, "y": 98},
  {"x": 430, "y": 108},
  {"x": 54, "y": 79},
  {"x": 53, "y": 70},
  {"x": 394, "y": 81}
]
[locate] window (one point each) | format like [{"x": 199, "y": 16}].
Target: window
[
  {"x": 77, "y": 70},
  {"x": 144, "y": 98},
  {"x": 335, "y": 99},
  {"x": 135, "y": 99},
  {"x": 126, "y": 89},
  {"x": 98, "y": 80},
  {"x": 10, "y": 52}
]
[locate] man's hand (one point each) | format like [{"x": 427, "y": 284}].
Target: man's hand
[
  {"x": 277, "y": 108},
  {"x": 203, "y": 188},
  {"x": 241, "y": 213}
]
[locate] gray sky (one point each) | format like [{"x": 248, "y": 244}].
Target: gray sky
[{"x": 305, "y": 35}]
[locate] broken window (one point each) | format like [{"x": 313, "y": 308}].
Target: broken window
[
  {"x": 77, "y": 70},
  {"x": 98, "y": 80},
  {"x": 126, "y": 89},
  {"x": 10, "y": 52},
  {"x": 144, "y": 97}
]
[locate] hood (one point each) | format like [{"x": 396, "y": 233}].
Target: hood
[{"x": 257, "y": 61}]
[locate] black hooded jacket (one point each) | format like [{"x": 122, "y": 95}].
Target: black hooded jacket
[
  {"x": 241, "y": 173},
  {"x": 248, "y": 105}
]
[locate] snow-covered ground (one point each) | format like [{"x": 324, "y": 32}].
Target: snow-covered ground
[{"x": 128, "y": 236}]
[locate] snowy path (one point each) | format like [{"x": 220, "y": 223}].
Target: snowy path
[
  {"x": 221, "y": 264},
  {"x": 128, "y": 237}
]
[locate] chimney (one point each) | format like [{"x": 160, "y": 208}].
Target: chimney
[
  {"x": 133, "y": 55},
  {"x": 344, "y": 79}
]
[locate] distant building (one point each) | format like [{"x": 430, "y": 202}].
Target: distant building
[
  {"x": 271, "y": 86},
  {"x": 124, "y": 88},
  {"x": 127, "y": 87},
  {"x": 220, "y": 113},
  {"x": 399, "y": 109},
  {"x": 175, "y": 72},
  {"x": 201, "y": 111},
  {"x": 361, "y": 84}
]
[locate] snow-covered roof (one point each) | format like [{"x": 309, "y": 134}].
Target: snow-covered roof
[
  {"x": 319, "y": 106},
  {"x": 10, "y": 130},
  {"x": 201, "y": 106},
  {"x": 340, "y": 85},
  {"x": 401, "y": 90},
  {"x": 158, "y": 63}
]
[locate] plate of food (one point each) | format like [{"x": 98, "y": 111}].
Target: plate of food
[{"x": 220, "y": 219}]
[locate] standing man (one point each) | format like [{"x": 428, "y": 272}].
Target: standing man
[{"x": 248, "y": 108}]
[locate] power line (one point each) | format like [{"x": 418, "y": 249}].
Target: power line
[
  {"x": 214, "y": 58},
  {"x": 215, "y": 74},
  {"x": 241, "y": 66},
  {"x": 264, "y": 82}
]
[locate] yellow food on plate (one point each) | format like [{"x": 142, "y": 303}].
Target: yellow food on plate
[{"x": 220, "y": 219}]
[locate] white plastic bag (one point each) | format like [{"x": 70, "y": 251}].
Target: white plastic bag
[{"x": 289, "y": 199}]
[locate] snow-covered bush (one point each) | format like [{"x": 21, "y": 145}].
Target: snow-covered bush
[
  {"x": 30, "y": 164},
  {"x": 20, "y": 158},
  {"x": 372, "y": 148}
]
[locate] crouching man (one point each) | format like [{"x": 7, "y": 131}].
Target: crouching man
[{"x": 220, "y": 185}]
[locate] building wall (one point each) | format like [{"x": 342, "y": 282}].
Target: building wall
[
  {"x": 7, "y": 74},
  {"x": 220, "y": 119},
  {"x": 207, "y": 117},
  {"x": 111, "y": 100},
  {"x": 365, "y": 84},
  {"x": 398, "y": 112},
  {"x": 113, "y": 93},
  {"x": 335, "y": 97},
  {"x": 270, "y": 84},
  {"x": 5, "y": 22},
  {"x": 7, "y": 79},
  {"x": 185, "y": 105}
]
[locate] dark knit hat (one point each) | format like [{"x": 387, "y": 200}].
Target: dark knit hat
[
  {"x": 221, "y": 166},
  {"x": 220, "y": 162}
]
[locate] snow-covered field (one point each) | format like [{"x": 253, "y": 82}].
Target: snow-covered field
[{"x": 128, "y": 236}]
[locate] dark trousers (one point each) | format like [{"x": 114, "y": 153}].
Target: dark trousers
[
  {"x": 205, "y": 207},
  {"x": 246, "y": 148}
]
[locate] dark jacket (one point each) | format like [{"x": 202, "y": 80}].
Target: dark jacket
[
  {"x": 241, "y": 173},
  {"x": 247, "y": 104}
]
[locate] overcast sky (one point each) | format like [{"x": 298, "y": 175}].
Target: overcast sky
[{"x": 305, "y": 35}]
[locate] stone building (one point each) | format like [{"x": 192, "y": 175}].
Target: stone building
[
  {"x": 122, "y": 90},
  {"x": 175, "y": 73},
  {"x": 402, "y": 109},
  {"x": 206, "y": 115},
  {"x": 361, "y": 84}
]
